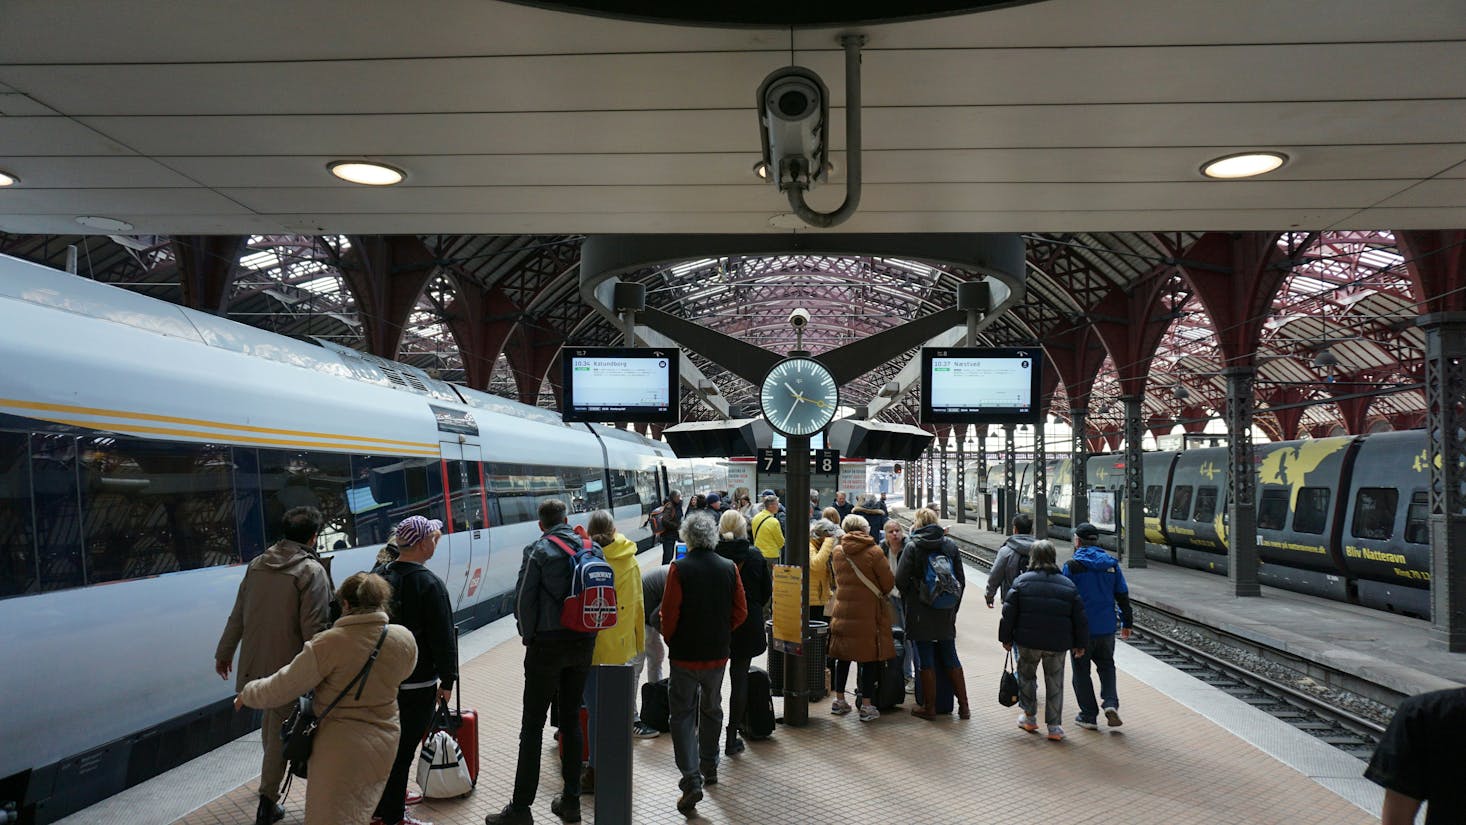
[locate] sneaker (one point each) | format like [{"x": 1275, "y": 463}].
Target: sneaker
[
  {"x": 910, "y": 686},
  {"x": 839, "y": 707},
  {"x": 1087, "y": 724},
  {"x": 642, "y": 730},
  {"x": 687, "y": 802},
  {"x": 566, "y": 807},
  {"x": 413, "y": 797},
  {"x": 1112, "y": 716},
  {"x": 1028, "y": 723},
  {"x": 409, "y": 819},
  {"x": 1056, "y": 733},
  {"x": 268, "y": 812},
  {"x": 510, "y": 816},
  {"x": 868, "y": 713}
]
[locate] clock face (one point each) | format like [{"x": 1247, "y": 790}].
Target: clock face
[{"x": 799, "y": 397}]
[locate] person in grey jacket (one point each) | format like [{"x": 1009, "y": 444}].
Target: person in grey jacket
[
  {"x": 557, "y": 661},
  {"x": 1012, "y": 559},
  {"x": 653, "y": 585},
  {"x": 1043, "y": 617},
  {"x": 283, "y": 601}
]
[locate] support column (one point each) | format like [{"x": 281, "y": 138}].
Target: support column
[
  {"x": 1040, "y": 482},
  {"x": 1079, "y": 494},
  {"x": 985, "y": 521},
  {"x": 1445, "y": 427},
  {"x": 1241, "y": 484},
  {"x": 961, "y": 476},
  {"x": 1009, "y": 508},
  {"x": 796, "y": 553},
  {"x": 942, "y": 470},
  {"x": 1132, "y": 533}
]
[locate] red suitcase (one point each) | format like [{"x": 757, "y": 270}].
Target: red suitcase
[
  {"x": 463, "y": 725},
  {"x": 584, "y": 736}
]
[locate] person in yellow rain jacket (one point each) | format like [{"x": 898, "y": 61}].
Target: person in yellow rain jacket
[
  {"x": 624, "y": 641},
  {"x": 768, "y": 534}
]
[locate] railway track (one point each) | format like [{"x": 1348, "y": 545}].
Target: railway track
[{"x": 1321, "y": 716}]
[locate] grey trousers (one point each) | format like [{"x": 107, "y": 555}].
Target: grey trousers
[
  {"x": 696, "y": 700},
  {"x": 272, "y": 769},
  {"x": 1053, "y": 662}
]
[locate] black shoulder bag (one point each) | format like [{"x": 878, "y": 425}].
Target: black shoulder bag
[{"x": 299, "y": 729}]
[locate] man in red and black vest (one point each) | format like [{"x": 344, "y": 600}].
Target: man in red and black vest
[{"x": 701, "y": 606}]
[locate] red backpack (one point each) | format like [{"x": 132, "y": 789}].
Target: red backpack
[{"x": 590, "y": 606}]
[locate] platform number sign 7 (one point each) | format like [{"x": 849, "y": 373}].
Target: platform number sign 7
[
  {"x": 826, "y": 462},
  {"x": 770, "y": 460}
]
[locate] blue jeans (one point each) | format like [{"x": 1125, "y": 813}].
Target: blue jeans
[
  {"x": 943, "y": 653},
  {"x": 1100, "y": 650},
  {"x": 696, "y": 717}
]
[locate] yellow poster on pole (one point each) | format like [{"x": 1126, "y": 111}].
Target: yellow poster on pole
[{"x": 788, "y": 598}]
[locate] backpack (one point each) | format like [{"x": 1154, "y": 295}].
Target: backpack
[
  {"x": 940, "y": 588},
  {"x": 655, "y": 520},
  {"x": 590, "y": 606}
]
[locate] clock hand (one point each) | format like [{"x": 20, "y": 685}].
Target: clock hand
[{"x": 785, "y": 423}]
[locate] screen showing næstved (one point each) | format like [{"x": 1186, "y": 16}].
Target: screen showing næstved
[
  {"x": 988, "y": 385},
  {"x": 620, "y": 385}
]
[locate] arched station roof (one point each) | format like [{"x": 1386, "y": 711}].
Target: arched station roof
[{"x": 1336, "y": 346}]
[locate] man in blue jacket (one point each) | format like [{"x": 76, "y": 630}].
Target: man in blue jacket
[{"x": 1102, "y": 586}]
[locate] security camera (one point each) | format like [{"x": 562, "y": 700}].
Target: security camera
[
  {"x": 793, "y": 108},
  {"x": 799, "y": 318}
]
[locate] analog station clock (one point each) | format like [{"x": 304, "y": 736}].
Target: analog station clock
[{"x": 799, "y": 397}]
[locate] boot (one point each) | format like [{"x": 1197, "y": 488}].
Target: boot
[
  {"x": 926, "y": 709},
  {"x": 734, "y": 743},
  {"x": 959, "y": 688}
]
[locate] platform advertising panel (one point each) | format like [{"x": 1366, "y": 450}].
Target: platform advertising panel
[
  {"x": 852, "y": 476},
  {"x": 1102, "y": 509}
]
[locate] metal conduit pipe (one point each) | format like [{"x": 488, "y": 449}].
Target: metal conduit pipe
[{"x": 825, "y": 220}]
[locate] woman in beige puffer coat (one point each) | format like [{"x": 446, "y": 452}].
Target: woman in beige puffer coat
[{"x": 356, "y": 744}]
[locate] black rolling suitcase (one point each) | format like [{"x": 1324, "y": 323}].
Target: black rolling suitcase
[
  {"x": 758, "y": 715},
  {"x": 891, "y": 686},
  {"x": 656, "y": 708}
]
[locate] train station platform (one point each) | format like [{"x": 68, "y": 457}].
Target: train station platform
[
  {"x": 1186, "y": 753},
  {"x": 1393, "y": 651}
]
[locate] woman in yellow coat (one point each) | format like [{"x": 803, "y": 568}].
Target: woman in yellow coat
[
  {"x": 356, "y": 744},
  {"x": 620, "y": 644}
]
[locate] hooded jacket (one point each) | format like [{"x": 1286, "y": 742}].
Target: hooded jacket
[
  {"x": 874, "y": 515},
  {"x": 758, "y": 586},
  {"x": 1011, "y": 562},
  {"x": 821, "y": 581},
  {"x": 619, "y": 644},
  {"x": 1043, "y": 611},
  {"x": 653, "y": 585},
  {"x": 544, "y": 582},
  {"x": 925, "y": 623},
  {"x": 766, "y": 532},
  {"x": 860, "y": 630},
  {"x": 1102, "y": 586},
  {"x": 283, "y": 601}
]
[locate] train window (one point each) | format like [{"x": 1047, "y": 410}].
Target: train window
[
  {"x": 1312, "y": 511},
  {"x": 623, "y": 489},
  {"x": 153, "y": 507},
  {"x": 297, "y": 478},
  {"x": 463, "y": 492},
  {"x": 1181, "y": 502},
  {"x": 17, "y": 551},
  {"x": 386, "y": 489},
  {"x": 1374, "y": 512},
  {"x": 516, "y": 490},
  {"x": 1153, "y": 501},
  {"x": 1417, "y": 521},
  {"x": 249, "y": 519},
  {"x": 1272, "y": 509},
  {"x": 1206, "y": 504},
  {"x": 57, "y": 511},
  {"x": 646, "y": 489}
]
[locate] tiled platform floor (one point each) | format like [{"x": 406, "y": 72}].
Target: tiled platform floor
[{"x": 1168, "y": 764}]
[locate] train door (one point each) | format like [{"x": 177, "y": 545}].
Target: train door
[{"x": 465, "y": 541}]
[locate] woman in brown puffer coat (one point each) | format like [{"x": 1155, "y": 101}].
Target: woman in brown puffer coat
[
  {"x": 356, "y": 744},
  {"x": 860, "y": 622}
]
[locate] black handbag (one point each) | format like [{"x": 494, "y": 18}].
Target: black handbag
[
  {"x": 1008, "y": 684},
  {"x": 299, "y": 729}
]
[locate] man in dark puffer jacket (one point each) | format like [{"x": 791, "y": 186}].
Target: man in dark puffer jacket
[{"x": 1044, "y": 617}]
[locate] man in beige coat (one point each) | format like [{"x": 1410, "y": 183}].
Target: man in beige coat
[{"x": 283, "y": 601}]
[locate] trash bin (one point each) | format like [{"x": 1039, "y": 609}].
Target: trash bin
[{"x": 814, "y": 660}]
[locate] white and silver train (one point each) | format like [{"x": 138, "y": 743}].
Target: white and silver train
[{"x": 147, "y": 451}]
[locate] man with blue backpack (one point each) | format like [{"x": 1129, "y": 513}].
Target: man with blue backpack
[
  {"x": 566, "y": 594},
  {"x": 931, "y": 579},
  {"x": 1102, "y": 586}
]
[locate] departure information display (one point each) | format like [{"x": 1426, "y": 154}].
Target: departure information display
[
  {"x": 988, "y": 385},
  {"x": 620, "y": 384}
]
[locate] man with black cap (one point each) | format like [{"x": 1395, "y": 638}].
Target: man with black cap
[{"x": 1102, "y": 586}]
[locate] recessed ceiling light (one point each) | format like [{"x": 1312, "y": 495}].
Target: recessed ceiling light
[
  {"x": 7, "y": 179},
  {"x": 366, "y": 173},
  {"x": 104, "y": 224},
  {"x": 1244, "y": 165},
  {"x": 762, "y": 170}
]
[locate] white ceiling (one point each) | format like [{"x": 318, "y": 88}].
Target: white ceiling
[{"x": 1065, "y": 115}]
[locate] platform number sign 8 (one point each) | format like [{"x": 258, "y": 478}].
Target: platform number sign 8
[{"x": 827, "y": 462}]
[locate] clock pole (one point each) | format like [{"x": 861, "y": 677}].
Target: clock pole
[{"x": 796, "y": 552}]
